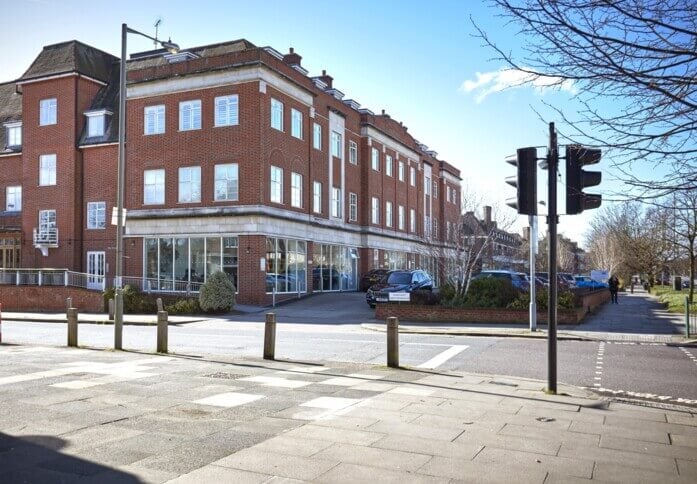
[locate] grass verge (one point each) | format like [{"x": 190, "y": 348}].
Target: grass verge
[{"x": 675, "y": 300}]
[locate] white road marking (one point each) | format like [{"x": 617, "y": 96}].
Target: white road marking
[
  {"x": 599, "y": 365},
  {"x": 441, "y": 358}
]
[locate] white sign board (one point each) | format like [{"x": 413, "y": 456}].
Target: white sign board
[
  {"x": 399, "y": 296},
  {"x": 598, "y": 275},
  {"x": 115, "y": 216}
]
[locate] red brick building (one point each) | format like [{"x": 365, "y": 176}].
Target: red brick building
[{"x": 236, "y": 160}]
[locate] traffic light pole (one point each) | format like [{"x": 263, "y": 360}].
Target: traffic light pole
[{"x": 552, "y": 220}]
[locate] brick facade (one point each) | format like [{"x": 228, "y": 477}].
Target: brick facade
[{"x": 86, "y": 168}]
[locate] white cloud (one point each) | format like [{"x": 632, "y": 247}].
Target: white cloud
[{"x": 496, "y": 81}]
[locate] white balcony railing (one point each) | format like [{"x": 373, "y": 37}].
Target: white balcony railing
[{"x": 46, "y": 237}]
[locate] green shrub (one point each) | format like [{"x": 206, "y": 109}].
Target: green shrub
[
  {"x": 217, "y": 294},
  {"x": 565, "y": 300},
  {"x": 424, "y": 298},
  {"x": 184, "y": 306},
  {"x": 490, "y": 292}
]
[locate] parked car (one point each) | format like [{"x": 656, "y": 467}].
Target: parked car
[
  {"x": 519, "y": 281},
  {"x": 587, "y": 282},
  {"x": 398, "y": 281},
  {"x": 567, "y": 278},
  {"x": 372, "y": 277}
]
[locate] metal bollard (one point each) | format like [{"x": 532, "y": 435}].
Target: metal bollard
[
  {"x": 159, "y": 305},
  {"x": 270, "y": 336},
  {"x": 162, "y": 328},
  {"x": 72, "y": 327},
  {"x": 393, "y": 342},
  {"x": 111, "y": 309}
]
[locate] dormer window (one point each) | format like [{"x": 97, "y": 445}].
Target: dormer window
[
  {"x": 96, "y": 123},
  {"x": 14, "y": 134}
]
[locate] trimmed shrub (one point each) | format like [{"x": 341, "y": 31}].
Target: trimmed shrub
[
  {"x": 423, "y": 297},
  {"x": 565, "y": 300},
  {"x": 184, "y": 306},
  {"x": 217, "y": 294},
  {"x": 490, "y": 292}
]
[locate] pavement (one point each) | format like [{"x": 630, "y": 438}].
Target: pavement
[{"x": 82, "y": 415}]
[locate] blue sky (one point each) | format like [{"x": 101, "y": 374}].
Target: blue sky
[{"x": 417, "y": 60}]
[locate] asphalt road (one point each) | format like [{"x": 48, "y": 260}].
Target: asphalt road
[{"x": 654, "y": 371}]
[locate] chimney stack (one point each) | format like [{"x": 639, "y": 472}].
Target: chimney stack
[
  {"x": 487, "y": 214},
  {"x": 325, "y": 78},
  {"x": 292, "y": 59}
]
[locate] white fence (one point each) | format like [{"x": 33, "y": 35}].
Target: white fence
[{"x": 51, "y": 277}]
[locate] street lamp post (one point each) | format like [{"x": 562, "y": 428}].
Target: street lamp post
[{"x": 120, "y": 177}]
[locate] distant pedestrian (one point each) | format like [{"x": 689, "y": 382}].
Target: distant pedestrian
[{"x": 614, "y": 284}]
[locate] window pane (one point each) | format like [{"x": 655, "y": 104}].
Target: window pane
[
  {"x": 197, "y": 264},
  {"x": 213, "y": 262}
]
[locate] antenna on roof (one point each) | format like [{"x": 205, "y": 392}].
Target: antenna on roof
[{"x": 157, "y": 27}]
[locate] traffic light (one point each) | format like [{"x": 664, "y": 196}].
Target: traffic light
[
  {"x": 577, "y": 179},
  {"x": 525, "y": 181}
]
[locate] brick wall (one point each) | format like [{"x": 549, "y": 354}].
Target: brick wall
[{"x": 49, "y": 299}]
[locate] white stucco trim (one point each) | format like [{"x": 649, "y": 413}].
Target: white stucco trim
[
  {"x": 209, "y": 80},
  {"x": 450, "y": 177},
  {"x": 389, "y": 142}
]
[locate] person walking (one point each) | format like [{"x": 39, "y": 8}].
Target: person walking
[{"x": 614, "y": 284}]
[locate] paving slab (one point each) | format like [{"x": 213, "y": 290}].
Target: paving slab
[
  {"x": 294, "y": 467},
  {"x": 346, "y": 473}
]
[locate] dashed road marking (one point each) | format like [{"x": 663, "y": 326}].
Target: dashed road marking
[
  {"x": 599, "y": 365},
  {"x": 689, "y": 355},
  {"x": 441, "y": 358}
]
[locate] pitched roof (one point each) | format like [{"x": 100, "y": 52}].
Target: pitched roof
[
  {"x": 10, "y": 110},
  {"x": 107, "y": 98},
  {"x": 71, "y": 56}
]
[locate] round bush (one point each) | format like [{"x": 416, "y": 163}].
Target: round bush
[
  {"x": 217, "y": 294},
  {"x": 490, "y": 292}
]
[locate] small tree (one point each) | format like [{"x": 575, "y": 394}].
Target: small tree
[{"x": 217, "y": 294}]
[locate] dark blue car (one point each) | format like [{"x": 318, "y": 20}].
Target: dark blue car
[{"x": 398, "y": 281}]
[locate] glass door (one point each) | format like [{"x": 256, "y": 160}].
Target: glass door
[{"x": 95, "y": 270}]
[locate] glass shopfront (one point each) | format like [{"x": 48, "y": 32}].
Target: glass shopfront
[
  {"x": 334, "y": 268},
  {"x": 286, "y": 266},
  {"x": 175, "y": 263}
]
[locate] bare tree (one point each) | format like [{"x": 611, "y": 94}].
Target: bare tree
[
  {"x": 682, "y": 208},
  {"x": 633, "y": 64}
]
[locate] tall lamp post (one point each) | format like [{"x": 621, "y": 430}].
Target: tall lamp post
[{"x": 118, "y": 283}]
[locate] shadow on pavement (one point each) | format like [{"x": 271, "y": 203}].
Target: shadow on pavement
[{"x": 36, "y": 459}]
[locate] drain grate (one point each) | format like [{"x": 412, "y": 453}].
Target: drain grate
[{"x": 225, "y": 376}]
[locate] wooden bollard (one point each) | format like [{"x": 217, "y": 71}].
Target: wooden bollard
[
  {"x": 162, "y": 328},
  {"x": 111, "y": 309},
  {"x": 159, "y": 304},
  {"x": 72, "y": 327},
  {"x": 393, "y": 342},
  {"x": 270, "y": 336},
  {"x": 68, "y": 303}
]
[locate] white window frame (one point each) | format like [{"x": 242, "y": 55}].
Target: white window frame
[
  {"x": 317, "y": 197},
  {"x": 336, "y": 144},
  {"x": 158, "y": 115},
  {"x": 427, "y": 186},
  {"x": 435, "y": 189},
  {"x": 296, "y": 123},
  {"x": 412, "y": 176},
  {"x": 412, "y": 220},
  {"x": 47, "y": 222},
  {"x": 435, "y": 228},
  {"x": 13, "y": 198},
  {"x": 317, "y": 136},
  {"x": 47, "y": 170},
  {"x": 375, "y": 211},
  {"x": 276, "y": 114},
  {"x": 401, "y": 171},
  {"x": 48, "y": 111},
  {"x": 388, "y": 165},
  {"x": 154, "y": 187},
  {"x": 296, "y": 190},
  {"x": 14, "y": 134},
  {"x": 401, "y": 215},
  {"x": 96, "y": 215},
  {"x": 188, "y": 122},
  {"x": 276, "y": 185},
  {"x": 353, "y": 152},
  {"x": 336, "y": 202},
  {"x": 353, "y": 207},
  {"x": 388, "y": 214},
  {"x": 95, "y": 125},
  {"x": 375, "y": 159},
  {"x": 447, "y": 188},
  {"x": 191, "y": 176},
  {"x": 226, "y": 175},
  {"x": 227, "y": 110}
]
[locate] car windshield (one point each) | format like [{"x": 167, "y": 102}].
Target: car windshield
[{"x": 399, "y": 278}]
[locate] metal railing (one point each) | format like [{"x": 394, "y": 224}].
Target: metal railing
[
  {"x": 51, "y": 277},
  {"x": 690, "y": 318},
  {"x": 149, "y": 285},
  {"x": 46, "y": 237}
]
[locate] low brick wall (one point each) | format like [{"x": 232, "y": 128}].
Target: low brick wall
[
  {"x": 411, "y": 312},
  {"x": 49, "y": 298}
]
